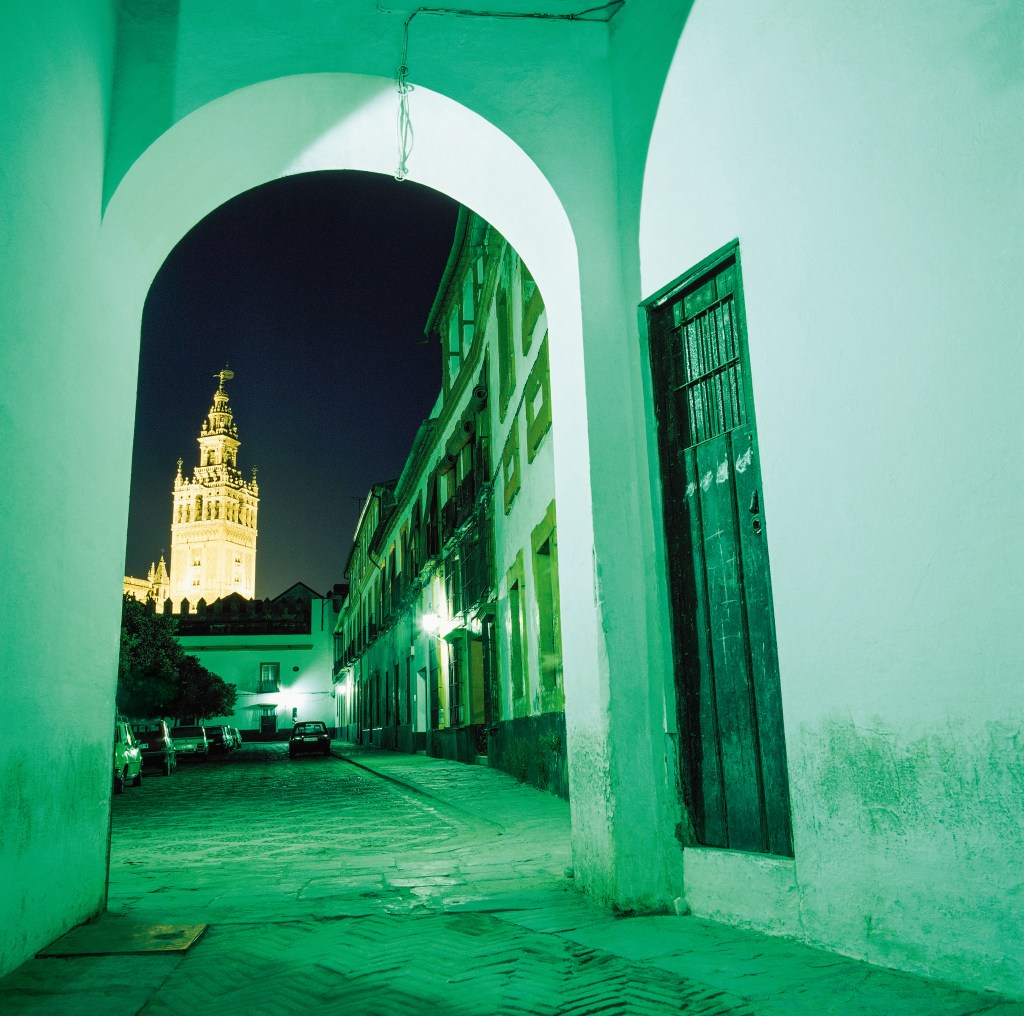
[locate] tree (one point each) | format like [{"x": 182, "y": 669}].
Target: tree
[
  {"x": 155, "y": 677},
  {"x": 201, "y": 693},
  {"x": 149, "y": 662}
]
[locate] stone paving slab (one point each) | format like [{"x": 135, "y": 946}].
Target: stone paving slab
[{"x": 335, "y": 888}]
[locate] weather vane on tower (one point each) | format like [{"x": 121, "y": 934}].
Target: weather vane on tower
[{"x": 225, "y": 375}]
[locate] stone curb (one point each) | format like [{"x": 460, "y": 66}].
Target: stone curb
[{"x": 418, "y": 789}]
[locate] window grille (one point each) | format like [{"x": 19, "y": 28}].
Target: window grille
[{"x": 711, "y": 398}]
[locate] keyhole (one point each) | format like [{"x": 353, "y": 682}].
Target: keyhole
[{"x": 756, "y": 523}]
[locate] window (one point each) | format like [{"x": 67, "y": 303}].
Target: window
[
  {"x": 549, "y": 629},
  {"x": 455, "y": 718},
  {"x": 435, "y": 705},
  {"x": 454, "y": 347},
  {"x": 270, "y": 678},
  {"x": 533, "y": 307},
  {"x": 510, "y": 465},
  {"x": 451, "y": 585},
  {"x": 516, "y": 632},
  {"x": 506, "y": 347},
  {"x": 538, "y": 402}
]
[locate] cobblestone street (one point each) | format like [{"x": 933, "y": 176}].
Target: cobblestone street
[{"x": 384, "y": 884}]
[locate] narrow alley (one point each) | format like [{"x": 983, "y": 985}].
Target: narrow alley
[{"x": 376, "y": 884}]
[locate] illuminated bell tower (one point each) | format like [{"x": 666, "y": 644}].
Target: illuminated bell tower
[{"x": 213, "y": 525}]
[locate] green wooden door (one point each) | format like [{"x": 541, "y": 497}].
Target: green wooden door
[{"x": 732, "y": 750}]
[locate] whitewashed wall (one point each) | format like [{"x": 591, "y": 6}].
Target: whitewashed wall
[
  {"x": 868, "y": 158},
  {"x": 65, "y": 431}
]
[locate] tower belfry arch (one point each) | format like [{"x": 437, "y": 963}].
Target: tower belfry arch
[{"x": 213, "y": 521}]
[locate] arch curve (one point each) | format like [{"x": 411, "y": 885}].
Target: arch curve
[{"x": 309, "y": 122}]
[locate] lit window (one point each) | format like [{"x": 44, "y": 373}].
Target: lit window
[
  {"x": 468, "y": 312},
  {"x": 549, "y": 630},
  {"x": 516, "y": 631},
  {"x": 506, "y": 347},
  {"x": 270, "y": 677},
  {"x": 510, "y": 464},
  {"x": 533, "y": 307},
  {"x": 538, "y": 402},
  {"x": 454, "y": 347}
]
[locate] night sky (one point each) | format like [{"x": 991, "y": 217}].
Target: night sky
[{"x": 314, "y": 290}]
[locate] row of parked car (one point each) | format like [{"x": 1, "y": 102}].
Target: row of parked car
[{"x": 151, "y": 744}]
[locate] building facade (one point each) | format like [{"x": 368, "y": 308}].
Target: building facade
[
  {"x": 276, "y": 652},
  {"x": 450, "y": 640}
]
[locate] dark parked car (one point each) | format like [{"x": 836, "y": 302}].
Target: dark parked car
[
  {"x": 190, "y": 742},
  {"x": 221, "y": 742},
  {"x": 157, "y": 746},
  {"x": 309, "y": 737}
]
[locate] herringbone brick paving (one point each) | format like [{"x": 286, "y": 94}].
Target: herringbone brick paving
[{"x": 441, "y": 890}]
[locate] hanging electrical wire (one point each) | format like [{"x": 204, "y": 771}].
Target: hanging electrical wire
[
  {"x": 603, "y": 13},
  {"x": 405, "y": 134}
]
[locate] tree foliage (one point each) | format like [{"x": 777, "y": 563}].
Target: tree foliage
[
  {"x": 200, "y": 692},
  {"x": 155, "y": 677}
]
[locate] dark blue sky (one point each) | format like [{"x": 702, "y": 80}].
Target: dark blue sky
[{"x": 314, "y": 290}]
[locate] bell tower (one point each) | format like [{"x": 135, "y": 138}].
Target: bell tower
[{"x": 213, "y": 523}]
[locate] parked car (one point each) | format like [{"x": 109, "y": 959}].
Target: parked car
[
  {"x": 191, "y": 742},
  {"x": 157, "y": 746},
  {"x": 127, "y": 757},
  {"x": 309, "y": 737},
  {"x": 237, "y": 735},
  {"x": 221, "y": 742}
]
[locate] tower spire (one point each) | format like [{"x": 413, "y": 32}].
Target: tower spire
[{"x": 213, "y": 529}]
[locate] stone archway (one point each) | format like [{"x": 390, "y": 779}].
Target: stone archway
[{"x": 308, "y": 123}]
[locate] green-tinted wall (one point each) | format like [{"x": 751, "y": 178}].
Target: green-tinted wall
[
  {"x": 868, "y": 158},
  {"x": 66, "y": 449}
]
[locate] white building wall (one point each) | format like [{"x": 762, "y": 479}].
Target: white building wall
[
  {"x": 868, "y": 158},
  {"x": 512, "y": 532},
  {"x": 65, "y": 430},
  {"x": 306, "y": 663}
]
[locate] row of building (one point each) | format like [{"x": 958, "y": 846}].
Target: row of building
[{"x": 449, "y": 639}]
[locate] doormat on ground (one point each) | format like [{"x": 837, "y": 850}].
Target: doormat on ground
[{"x": 117, "y": 935}]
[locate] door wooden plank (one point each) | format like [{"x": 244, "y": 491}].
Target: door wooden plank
[
  {"x": 729, "y": 653},
  {"x": 764, "y": 664},
  {"x": 698, "y": 678}
]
